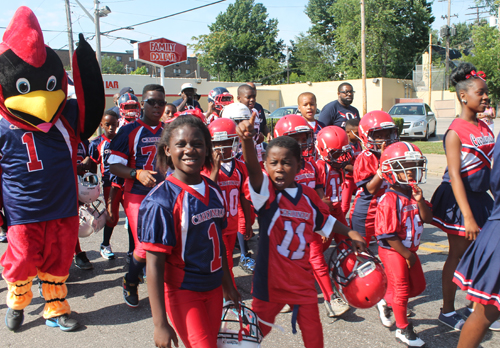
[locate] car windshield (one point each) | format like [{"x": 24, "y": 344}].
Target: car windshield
[
  {"x": 282, "y": 112},
  {"x": 417, "y": 110}
]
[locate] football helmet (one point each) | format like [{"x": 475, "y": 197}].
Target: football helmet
[
  {"x": 88, "y": 188},
  {"x": 361, "y": 278},
  {"x": 129, "y": 105},
  {"x": 401, "y": 157},
  {"x": 295, "y": 124},
  {"x": 236, "y": 112},
  {"x": 238, "y": 328},
  {"x": 193, "y": 112},
  {"x": 92, "y": 218},
  {"x": 223, "y": 129},
  {"x": 220, "y": 97},
  {"x": 333, "y": 146},
  {"x": 376, "y": 121}
]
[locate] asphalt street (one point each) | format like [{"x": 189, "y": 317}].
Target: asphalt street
[{"x": 96, "y": 300}]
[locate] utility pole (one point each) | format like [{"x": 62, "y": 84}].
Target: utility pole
[
  {"x": 446, "y": 74},
  {"x": 478, "y": 13},
  {"x": 97, "y": 32},
  {"x": 70, "y": 34},
  {"x": 430, "y": 69},
  {"x": 363, "y": 56},
  {"x": 288, "y": 65}
]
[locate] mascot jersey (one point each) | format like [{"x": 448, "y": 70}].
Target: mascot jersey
[{"x": 39, "y": 135}]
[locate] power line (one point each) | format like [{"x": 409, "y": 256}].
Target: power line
[{"x": 160, "y": 18}]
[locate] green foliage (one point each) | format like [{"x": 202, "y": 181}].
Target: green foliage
[
  {"x": 491, "y": 5},
  {"x": 140, "y": 71},
  {"x": 485, "y": 53},
  {"x": 241, "y": 44},
  {"x": 399, "y": 122},
  {"x": 320, "y": 13},
  {"x": 463, "y": 39},
  {"x": 397, "y": 31},
  {"x": 311, "y": 60},
  {"x": 111, "y": 66}
]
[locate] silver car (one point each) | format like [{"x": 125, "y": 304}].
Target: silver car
[{"x": 419, "y": 120}]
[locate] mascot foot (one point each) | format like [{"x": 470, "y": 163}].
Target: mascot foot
[
  {"x": 14, "y": 319},
  {"x": 63, "y": 322}
]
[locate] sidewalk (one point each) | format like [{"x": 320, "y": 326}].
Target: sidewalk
[{"x": 436, "y": 164}]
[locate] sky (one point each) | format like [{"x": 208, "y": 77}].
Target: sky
[{"x": 289, "y": 13}]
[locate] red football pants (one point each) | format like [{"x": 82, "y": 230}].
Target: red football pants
[
  {"x": 229, "y": 243},
  {"x": 307, "y": 318},
  {"x": 348, "y": 188},
  {"x": 131, "y": 205},
  {"x": 403, "y": 283},
  {"x": 44, "y": 248},
  {"x": 115, "y": 207},
  {"x": 195, "y": 316}
]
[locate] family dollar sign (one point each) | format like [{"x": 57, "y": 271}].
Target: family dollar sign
[{"x": 162, "y": 52}]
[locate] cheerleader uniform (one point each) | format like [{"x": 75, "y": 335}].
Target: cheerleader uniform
[
  {"x": 477, "y": 150},
  {"x": 478, "y": 272}
]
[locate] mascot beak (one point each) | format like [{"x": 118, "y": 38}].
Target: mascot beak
[{"x": 43, "y": 105}]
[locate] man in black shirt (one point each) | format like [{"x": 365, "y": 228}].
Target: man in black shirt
[
  {"x": 339, "y": 111},
  {"x": 187, "y": 100}
]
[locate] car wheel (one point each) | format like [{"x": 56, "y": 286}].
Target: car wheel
[{"x": 426, "y": 133}]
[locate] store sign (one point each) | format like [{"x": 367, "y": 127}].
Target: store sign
[{"x": 160, "y": 52}]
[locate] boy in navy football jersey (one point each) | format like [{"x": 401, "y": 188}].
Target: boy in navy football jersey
[
  {"x": 133, "y": 157},
  {"x": 99, "y": 153},
  {"x": 289, "y": 214},
  {"x": 181, "y": 223}
]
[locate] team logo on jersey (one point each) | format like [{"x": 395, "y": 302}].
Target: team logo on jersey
[
  {"x": 304, "y": 176},
  {"x": 207, "y": 215},
  {"x": 150, "y": 140},
  {"x": 295, "y": 214},
  {"x": 410, "y": 208},
  {"x": 229, "y": 183},
  {"x": 482, "y": 140}
]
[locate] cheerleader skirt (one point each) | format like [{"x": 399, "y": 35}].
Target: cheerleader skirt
[
  {"x": 478, "y": 272},
  {"x": 446, "y": 212}
]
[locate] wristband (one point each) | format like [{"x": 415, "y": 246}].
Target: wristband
[
  {"x": 379, "y": 173},
  {"x": 139, "y": 171}
]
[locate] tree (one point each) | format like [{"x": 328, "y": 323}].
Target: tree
[
  {"x": 110, "y": 65},
  {"x": 463, "y": 39},
  {"x": 140, "y": 71},
  {"x": 311, "y": 60},
  {"x": 240, "y": 38},
  {"x": 320, "y": 14},
  {"x": 485, "y": 53}
]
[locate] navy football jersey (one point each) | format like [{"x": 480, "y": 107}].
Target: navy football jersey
[
  {"x": 39, "y": 171},
  {"x": 135, "y": 146},
  {"x": 177, "y": 220},
  {"x": 99, "y": 152},
  {"x": 82, "y": 151}
]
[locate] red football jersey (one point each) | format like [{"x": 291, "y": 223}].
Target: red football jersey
[
  {"x": 231, "y": 184},
  {"x": 356, "y": 150},
  {"x": 398, "y": 215},
  {"x": 309, "y": 175},
  {"x": 333, "y": 185},
  {"x": 283, "y": 273},
  {"x": 365, "y": 204}
]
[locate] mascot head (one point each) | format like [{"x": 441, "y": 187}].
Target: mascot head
[{"x": 33, "y": 83}]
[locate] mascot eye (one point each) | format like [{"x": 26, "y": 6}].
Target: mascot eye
[
  {"x": 51, "y": 83},
  {"x": 23, "y": 85}
]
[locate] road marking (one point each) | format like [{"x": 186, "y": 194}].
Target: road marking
[{"x": 434, "y": 247}]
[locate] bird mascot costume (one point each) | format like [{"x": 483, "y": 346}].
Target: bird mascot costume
[{"x": 39, "y": 133}]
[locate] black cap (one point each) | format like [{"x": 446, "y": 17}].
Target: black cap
[{"x": 126, "y": 90}]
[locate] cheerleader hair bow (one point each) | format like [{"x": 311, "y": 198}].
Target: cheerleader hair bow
[{"x": 479, "y": 74}]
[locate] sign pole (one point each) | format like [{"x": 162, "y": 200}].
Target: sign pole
[{"x": 162, "y": 72}]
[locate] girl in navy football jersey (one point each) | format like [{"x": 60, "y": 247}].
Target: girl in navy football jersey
[
  {"x": 180, "y": 225},
  {"x": 289, "y": 215},
  {"x": 461, "y": 204}
]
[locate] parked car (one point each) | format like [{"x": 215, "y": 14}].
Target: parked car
[
  {"x": 419, "y": 120},
  {"x": 288, "y": 110}
]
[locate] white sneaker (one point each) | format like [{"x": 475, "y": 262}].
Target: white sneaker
[
  {"x": 336, "y": 307},
  {"x": 409, "y": 337},
  {"x": 106, "y": 252},
  {"x": 384, "y": 313}
]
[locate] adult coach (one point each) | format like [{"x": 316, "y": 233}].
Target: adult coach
[
  {"x": 339, "y": 111},
  {"x": 263, "y": 125},
  {"x": 187, "y": 100}
]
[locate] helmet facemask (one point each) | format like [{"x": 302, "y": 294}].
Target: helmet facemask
[
  {"x": 413, "y": 160},
  {"x": 130, "y": 110},
  {"x": 222, "y": 100},
  {"x": 239, "y": 327},
  {"x": 307, "y": 147},
  {"x": 376, "y": 145},
  {"x": 339, "y": 158},
  {"x": 220, "y": 137}
]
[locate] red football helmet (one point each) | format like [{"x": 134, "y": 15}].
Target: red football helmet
[
  {"x": 223, "y": 129},
  {"x": 401, "y": 157},
  {"x": 333, "y": 146},
  {"x": 220, "y": 97},
  {"x": 360, "y": 278},
  {"x": 373, "y": 122},
  {"x": 295, "y": 124},
  {"x": 193, "y": 112},
  {"x": 129, "y": 105}
]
